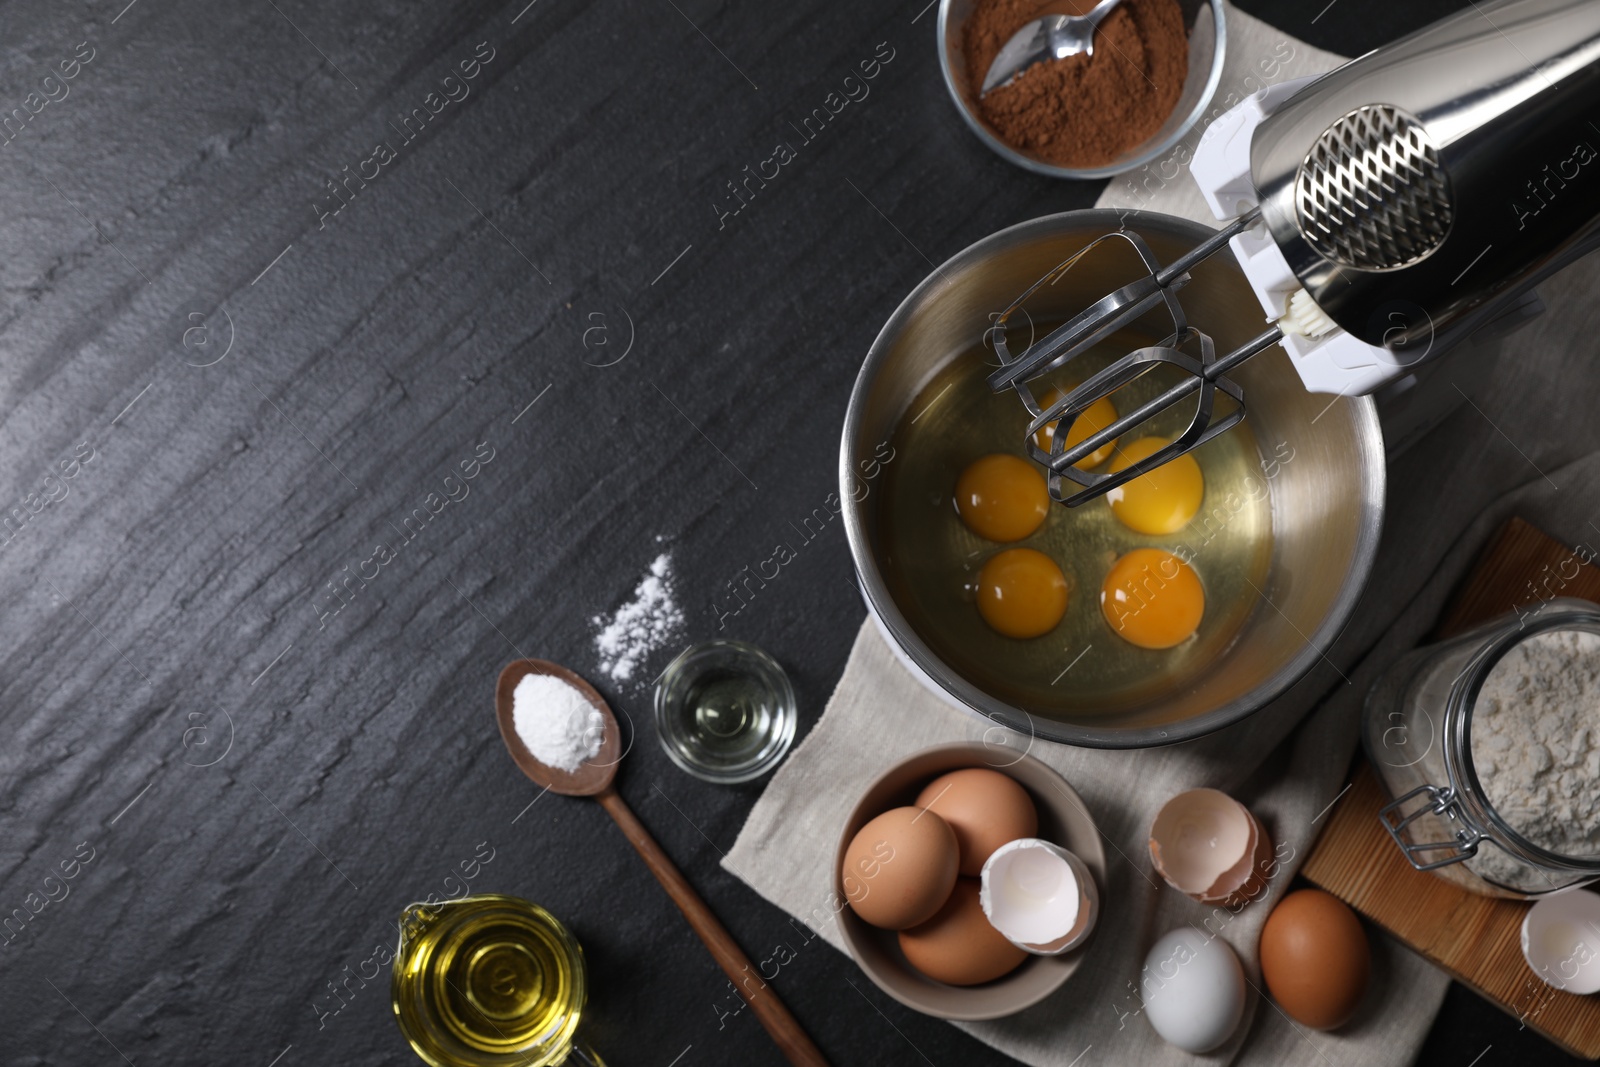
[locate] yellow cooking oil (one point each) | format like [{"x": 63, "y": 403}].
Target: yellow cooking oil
[{"x": 487, "y": 981}]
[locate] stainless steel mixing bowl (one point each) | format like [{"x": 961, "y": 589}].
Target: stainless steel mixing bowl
[{"x": 1327, "y": 505}]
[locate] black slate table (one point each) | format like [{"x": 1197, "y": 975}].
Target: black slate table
[{"x": 273, "y": 271}]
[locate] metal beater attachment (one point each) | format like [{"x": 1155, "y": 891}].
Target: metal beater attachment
[{"x": 1185, "y": 348}]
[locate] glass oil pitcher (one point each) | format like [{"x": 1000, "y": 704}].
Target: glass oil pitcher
[{"x": 490, "y": 981}]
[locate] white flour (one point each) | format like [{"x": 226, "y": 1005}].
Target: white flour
[
  {"x": 640, "y": 626},
  {"x": 1536, "y": 744}
]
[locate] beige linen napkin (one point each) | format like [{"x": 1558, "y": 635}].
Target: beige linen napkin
[{"x": 1287, "y": 762}]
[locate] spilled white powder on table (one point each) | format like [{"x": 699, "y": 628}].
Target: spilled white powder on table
[
  {"x": 557, "y": 723},
  {"x": 640, "y": 626}
]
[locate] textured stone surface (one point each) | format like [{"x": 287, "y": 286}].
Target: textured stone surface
[{"x": 263, "y": 784}]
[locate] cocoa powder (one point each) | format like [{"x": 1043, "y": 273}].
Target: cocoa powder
[{"x": 1082, "y": 111}]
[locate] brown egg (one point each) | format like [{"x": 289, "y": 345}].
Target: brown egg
[
  {"x": 985, "y": 808},
  {"x": 899, "y": 868},
  {"x": 958, "y": 946},
  {"x": 1315, "y": 958}
]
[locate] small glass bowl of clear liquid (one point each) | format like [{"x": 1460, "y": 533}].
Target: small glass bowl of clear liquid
[{"x": 725, "y": 711}]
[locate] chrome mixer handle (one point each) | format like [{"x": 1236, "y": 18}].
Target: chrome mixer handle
[
  {"x": 1448, "y": 171},
  {"x": 1204, "y": 373}
]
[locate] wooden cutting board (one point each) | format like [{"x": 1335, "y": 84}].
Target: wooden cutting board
[{"x": 1476, "y": 939}]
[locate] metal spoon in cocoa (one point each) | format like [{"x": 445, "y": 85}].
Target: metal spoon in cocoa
[
  {"x": 1061, "y": 29},
  {"x": 594, "y": 779}
]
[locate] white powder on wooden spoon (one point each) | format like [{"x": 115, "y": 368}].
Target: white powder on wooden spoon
[{"x": 556, "y": 722}]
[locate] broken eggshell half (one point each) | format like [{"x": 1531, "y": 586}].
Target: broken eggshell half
[
  {"x": 1041, "y": 897},
  {"x": 1209, "y": 846},
  {"x": 1253, "y": 872}
]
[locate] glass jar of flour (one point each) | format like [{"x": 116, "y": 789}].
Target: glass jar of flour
[{"x": 1489, "y": 745}]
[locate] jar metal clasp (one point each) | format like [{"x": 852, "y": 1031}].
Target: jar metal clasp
[{"x": 1442, "y": 803}]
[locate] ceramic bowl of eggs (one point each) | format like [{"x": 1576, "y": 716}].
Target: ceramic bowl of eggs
[
  {"x": 970, "y": 880},
  {"x": 1172, "y": 606}
]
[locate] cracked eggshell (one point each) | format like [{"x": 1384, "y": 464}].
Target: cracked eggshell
[
  {"x": 1033, "y": 889},
  {"x": 1246, "y": 880},
  {"x": 1206, "y": 844},
  {"x": 1561, "y": 941}
]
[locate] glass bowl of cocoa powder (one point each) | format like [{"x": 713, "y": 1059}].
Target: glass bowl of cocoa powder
[{"x": 1155, "y": 68}]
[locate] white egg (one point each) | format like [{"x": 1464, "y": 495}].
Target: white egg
[{"x": 1193, "y": 989}]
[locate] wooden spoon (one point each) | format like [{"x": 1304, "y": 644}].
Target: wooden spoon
[{"x": 593, "y": 779}]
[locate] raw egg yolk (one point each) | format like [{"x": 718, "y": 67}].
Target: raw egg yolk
[
  {"x": 1022, "y": 593},
  {"x": 1002, "y": 498},
  {"x": 1152, "y": 598},
  {"x": 1099, "y": 415},
  {"x": 1162, "y": 501}
]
